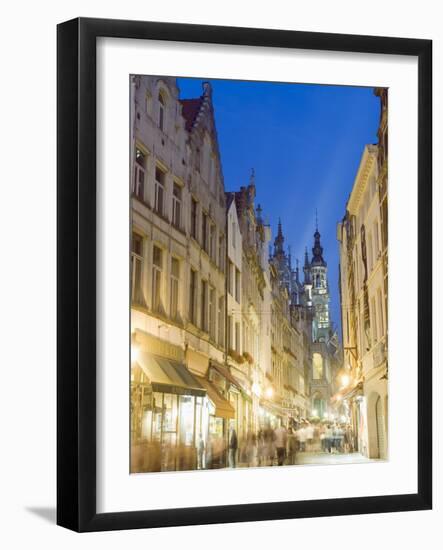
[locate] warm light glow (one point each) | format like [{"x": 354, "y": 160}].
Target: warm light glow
[
  {"x": 314, "y": 412},
  {"x": 256, "y": 389},
  {"x": 269, "y": 392},
  {"x": 345, "y": 380}
]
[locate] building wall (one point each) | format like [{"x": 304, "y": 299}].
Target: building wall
[{"x": 364, "y": 300}]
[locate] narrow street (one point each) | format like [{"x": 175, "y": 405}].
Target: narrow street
[{"x": 334, "y": 458}]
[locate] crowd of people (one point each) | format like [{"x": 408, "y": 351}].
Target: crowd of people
[
  {"x": 270, "y": 446},
  {"x": 281, "y": 445}
]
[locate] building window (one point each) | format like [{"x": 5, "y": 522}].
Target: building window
[
  {"x": 221, "y": 252},
  {"x": 211, "y": 308},
  {"x": 317, "y": 281},
  {"x": 148, "y": 103},
  {"x": 237, "y": 285},
  {"x": 161, "y": 111},
  {"x": 374, "y": 320},
  {"x": 157, "y": 268},
  {"x": 175, "y": 279},
  {"x": 205, "y": 231},
  {"x": 159, "y": 191},
  {"x": 231, "y": 278},
  {"x": 380, "y": 312},
  {"x": 237, "y": 337},
  {"x": 204, "y": 306},
  {"x": 177, "y": 205},
  {"x": 317, "y": 366},
  {"x": 212, "y": 250},
  {"x": 138, "y": 185},
  {"x": 376, "y": 241},
  {"x": 229, "y": 335},
  {"x": 369, "y": 249},
  {"x": 194, "y": 218},
  {"x": 137, "y": 269},
  {"x": 221, "y": 318},
  {"x": 193, "y": 297}
]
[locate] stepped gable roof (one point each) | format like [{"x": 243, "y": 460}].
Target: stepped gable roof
[{"x": 190, "y": 110}]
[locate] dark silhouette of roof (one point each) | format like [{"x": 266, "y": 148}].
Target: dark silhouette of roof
[{"x": 190, "y": 110}]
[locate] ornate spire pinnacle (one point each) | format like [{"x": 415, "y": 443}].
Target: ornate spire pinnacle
[
  {"x": 279, "y": 240},
  {"x": 307, "y": 268},
  {"x": 297, "y": 271},
  {"x": 317, "y": 251}
]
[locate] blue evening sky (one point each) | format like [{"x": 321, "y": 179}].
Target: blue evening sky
[{"x": 305, "y": 142}]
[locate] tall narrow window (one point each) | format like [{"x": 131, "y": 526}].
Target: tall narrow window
[
  {"x": 137, "y": 269},
  {"x": 376, "y": 241},
  {"x": 177, "y": 205},
  {"x": 221, "y": 252},
  {"x": 192, "y": 297},
  {"x": 317, "y": 366},
  {"x": 138, "y": 185},
  {"x": 204, "y": 306},
  {"x": 205, "y": 231},
  {"x": 194, "y": 218},
  {"x": 380, "y": 313},
  {"x": 221, "y": 321},
  {"x": 157, "y": 268},
  {"x": 237, "y": 337},
  {"x": 211, "y": 309},
  {"x": 159, "y": 191},
  {"x": 237, "y": 285},
  {"x": 231, "y": 281},
  {"x": 161, "y": 111},
  {"x": 229, "y": 335},
  {"x": 212, "y": 242},
  {"x": 175, "y": 279},
  {"x": 374, "y": 320},
  {"x": 370, "y": 253}
]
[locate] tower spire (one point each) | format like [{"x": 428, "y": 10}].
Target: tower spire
[
  {"x": 317, "y": 251},
  {"x": 279, "y": 240}
]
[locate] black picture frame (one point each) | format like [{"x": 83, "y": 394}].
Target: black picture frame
[{"x": 76, "y": 278}]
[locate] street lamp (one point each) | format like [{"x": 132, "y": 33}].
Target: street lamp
[{"x": 345, "y": 380}]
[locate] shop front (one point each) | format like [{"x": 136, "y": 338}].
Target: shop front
[
  {"x": 171, "y": 415},
  {"x": 220, "y": 414}
]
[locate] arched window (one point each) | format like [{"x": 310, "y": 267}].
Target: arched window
[
  {"x": 161, "y": 111},
  {"x": 317, "y": 366},
  {"x": 318, "y": 408},
  {"x": 317, "y": 281}
]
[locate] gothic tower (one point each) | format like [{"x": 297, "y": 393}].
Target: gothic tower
[{"x": 318, "y": 272}]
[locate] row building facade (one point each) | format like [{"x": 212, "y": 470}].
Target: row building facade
[
  {"x": 363, "y": 241},
  {"x": 224, "y": 335}
]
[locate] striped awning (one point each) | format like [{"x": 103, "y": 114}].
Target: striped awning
[
  {"x": 223, "y": 408},
  {"x": 168, "y": 376}
]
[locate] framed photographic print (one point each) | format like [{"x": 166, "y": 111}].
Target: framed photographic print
[{"x": 244, "y": 274}]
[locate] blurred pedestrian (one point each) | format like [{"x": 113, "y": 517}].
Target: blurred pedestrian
[
  {"x": 292, "y": 446},
  {"x": 280, "y": 444},
  {"x": 233, "y": 446},
  {"x": 309, "y": 436},
  {"x": 301, "y": 436},
  {"x": 200, "y": 452}
]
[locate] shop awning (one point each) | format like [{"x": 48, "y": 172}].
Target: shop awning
[
  {"x": 168, "y": 376},
  {"x": 223, "y": 408},
  {"x": 348, "y": 393}
]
